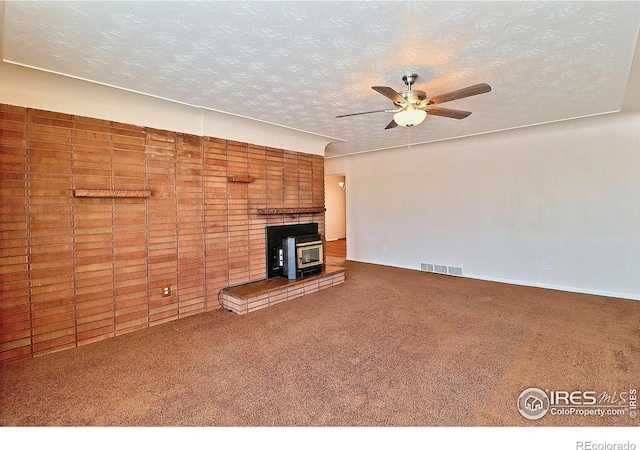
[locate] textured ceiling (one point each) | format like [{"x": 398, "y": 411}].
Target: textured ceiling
[{"x": 299, "y": 64}]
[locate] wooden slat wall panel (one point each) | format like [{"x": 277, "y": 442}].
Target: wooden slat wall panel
[
  {"x": 215, "y": 219},
  {"x": 317, "y": 190},
  {"x": 238, "y": 210},
  {"x": 50, "y": 161},
  {"x": 305, "y": 180},
  {"x": 275, "y": 178},
  {"x": 257, "y": 198},
  {"x": 160, "y": 149},
  {"x": 15, "y": 316},
  {"x": 78, "y": 270},
  {"x": 190, "y": 225},
  {"x": 291, "y": 179},
  {"x": 92, "y": 261},
  {"x": 130, "y": 238}
]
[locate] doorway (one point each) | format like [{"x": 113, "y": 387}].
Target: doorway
[{"x": 336, "y": 215}]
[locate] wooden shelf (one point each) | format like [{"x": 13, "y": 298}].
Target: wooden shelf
[
  {"x": 107, "y": 193},
  {"x": 240, "y": 179},
  {"x": 285, "y": 211}
]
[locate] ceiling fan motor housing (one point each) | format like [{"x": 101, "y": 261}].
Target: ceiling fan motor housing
[
  {"x": 410, "y": 95},
  {"x": 413, "y": 96}
]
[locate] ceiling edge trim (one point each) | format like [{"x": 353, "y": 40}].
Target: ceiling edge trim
[
  {"x": 177, "y": 102},
  {"x": 473, "y": 134}
]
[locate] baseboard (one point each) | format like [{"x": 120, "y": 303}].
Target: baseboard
[
  {"x": 623, "y": 295},
  {"x": 555, "y": 287}
]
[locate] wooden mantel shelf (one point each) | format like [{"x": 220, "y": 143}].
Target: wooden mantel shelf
[
  {"x": 284, "y": 211},
  {"x": 240, "y": 179},
  {"x": 107, "y": 193}
]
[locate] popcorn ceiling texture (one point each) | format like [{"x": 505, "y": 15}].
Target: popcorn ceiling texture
[{"x": 299, "y": 64}]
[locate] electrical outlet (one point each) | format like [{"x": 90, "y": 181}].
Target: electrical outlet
[
  {"x": 166, "y": 290},
  {"x": 384, "y": 249},
  {"x": 545, "y": 265}
]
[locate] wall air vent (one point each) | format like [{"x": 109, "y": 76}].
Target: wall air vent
[
  {"x": 442, "y": 269},
  {"x": 426, "y": 267},
  {"x": 437, "y": 268}
]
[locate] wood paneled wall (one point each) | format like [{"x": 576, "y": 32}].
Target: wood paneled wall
[{"x": 77, "y": 270}]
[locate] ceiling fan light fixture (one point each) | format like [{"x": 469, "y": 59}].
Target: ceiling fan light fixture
[
  {"x": 410, "y": 117},
  {"x": 410, "y": 106}
]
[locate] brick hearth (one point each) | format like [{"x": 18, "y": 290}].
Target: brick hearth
[{"x": 261, "y": 294}]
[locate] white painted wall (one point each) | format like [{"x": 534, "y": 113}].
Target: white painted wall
[
  {"x": 335, "y": 204},
  {"x": 22, "y": 86},
  {"x": 501, "y": 204}
]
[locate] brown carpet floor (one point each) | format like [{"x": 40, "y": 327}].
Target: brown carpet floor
[{"x": 389, "y": 347}]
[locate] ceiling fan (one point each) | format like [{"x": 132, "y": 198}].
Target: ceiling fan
[{"x": 413, "y": 106}]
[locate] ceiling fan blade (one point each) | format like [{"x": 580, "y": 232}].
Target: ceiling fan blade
[
  {"x": 360, "y": 113},
  {"x": 390, "y": 94},
  {"x": 446, "y": 112},
  {"x": 460, "y": 93},
  {"x": 392, "y": 124}
]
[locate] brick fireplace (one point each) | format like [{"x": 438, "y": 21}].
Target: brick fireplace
[{"x": 98, "y": 217}]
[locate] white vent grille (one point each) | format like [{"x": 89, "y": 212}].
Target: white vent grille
[
  {"x": 437, "y": 268},
  {"x": 442, "y": 269},
  {"x": 425, "y": 267}
]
